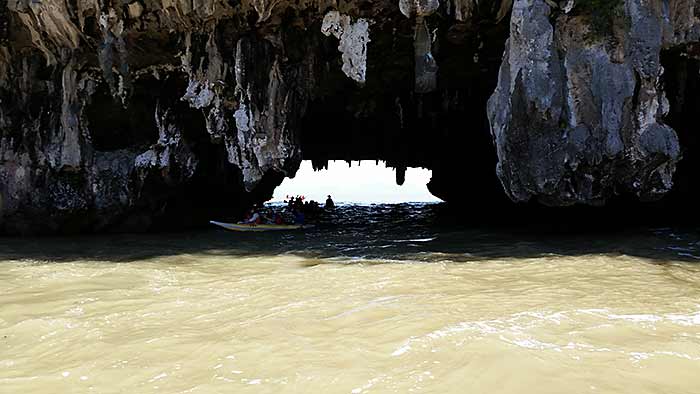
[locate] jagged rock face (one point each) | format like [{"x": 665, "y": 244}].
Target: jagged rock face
[
  {"x": 113, "y": 113},
  {"x": 577, "y": 118},
  {"x": 353, "y": 42},
  {"x": 120, "y": 114},
  {"x": 130, "y": 115}
]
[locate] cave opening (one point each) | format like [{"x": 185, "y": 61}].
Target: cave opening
[
  {"x": 357, "y": 182},
  {"x": 197, "y": 181},
  {"x": 444, "y": 129},
  {"x": 681, "y": 81},
  {"x": 114, "y": 126},
  {"x": 215, "y": 187}
]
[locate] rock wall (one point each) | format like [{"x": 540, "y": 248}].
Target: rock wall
[
  {"x": 112, "y": 112},
  {"x": 133, "y": 115},
  {"x": 121, "y": 115},
  {"x": 578, "y": 114}
]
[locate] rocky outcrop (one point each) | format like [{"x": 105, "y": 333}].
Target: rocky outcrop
[
  {"x": 112, "y": 112},
  {"x": 578, "y": 114},
  {"x": 353, "y": 37},
  {"x": 129, "y": 115},
  {"x": 135, "y": 115}
]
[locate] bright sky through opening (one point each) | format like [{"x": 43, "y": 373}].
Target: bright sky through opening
[{"x": 364, "y": 183}]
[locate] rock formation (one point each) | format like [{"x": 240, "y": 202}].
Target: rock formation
[
  {"x": 121, "y": 115},
  {"x": 577, "y": 117}
]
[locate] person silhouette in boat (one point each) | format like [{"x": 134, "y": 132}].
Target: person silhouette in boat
[
  {"x": 253, "y": 216},
  {"x": 329, "y": 203},
  {"x": 291, "y": 203},
  {"x": 299, "y": 203}
]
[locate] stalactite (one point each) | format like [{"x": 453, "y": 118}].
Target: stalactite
[{"x": 115, "y": 117}]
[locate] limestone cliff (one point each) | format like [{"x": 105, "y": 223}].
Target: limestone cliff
[
  {"x": 134, "y": 115},
  {"x": 578, "y": 114},
  {"x": 112, "y": 112}
]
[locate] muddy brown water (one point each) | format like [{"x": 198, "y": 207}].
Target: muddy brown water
[{"x": 380, "y": 299}]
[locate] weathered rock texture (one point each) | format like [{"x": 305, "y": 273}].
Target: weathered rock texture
[
  {"x": 134, "y": 115},
  {"x": 578, "y": 116},
  {"x": 118, "y": 115},
  {"x": 124, "y": 115}
]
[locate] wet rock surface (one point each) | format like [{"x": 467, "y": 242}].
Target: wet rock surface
[{"x": 141, "y": 115}]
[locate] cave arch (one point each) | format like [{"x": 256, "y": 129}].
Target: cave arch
[{"x": 445, "y": 129}]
